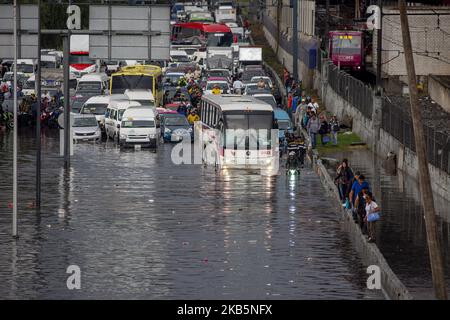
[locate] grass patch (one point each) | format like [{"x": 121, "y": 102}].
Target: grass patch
[{"x": 345, "y": 141}]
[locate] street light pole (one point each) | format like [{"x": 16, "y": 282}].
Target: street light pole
[
  {"x": 14, "y": 222},
  {"x": 295, "y": 39},
  {"x": 379, "y": 83},
  {"x": 38, "y": 112}
]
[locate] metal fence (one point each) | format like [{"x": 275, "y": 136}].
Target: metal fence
[
  {"x": 351, "y": 89},
  {"x": 398, "y": 122}
]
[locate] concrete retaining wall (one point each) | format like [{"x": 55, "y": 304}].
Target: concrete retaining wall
[
  {"x": 439, "y": 92},
  {"x": 408, "y": 163}
]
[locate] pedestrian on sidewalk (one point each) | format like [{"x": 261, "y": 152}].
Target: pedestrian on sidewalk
[
  {"x": 372, "y": 215},
  {"x": 334, "y": 128},
  {"x": 360, "y": 205},
  {"x": 313, "y": 128},
  {"x": 343, "y": 180},
  {"x": 323, "y": 131},
  {"x": 357, "y": 187}
]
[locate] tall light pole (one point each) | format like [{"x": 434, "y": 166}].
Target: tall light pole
[
  {"x": 295, "y": 38},
  {"x": 14, "y": 222},
  {"x": 38, "y": 112}
]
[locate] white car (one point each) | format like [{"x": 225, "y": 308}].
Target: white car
[
  {"x": 267, "y": 98},
  {"x": 97, "y": 106},
  {"x": 224, "y": 87},
  {"x": 85, "y": 128}
]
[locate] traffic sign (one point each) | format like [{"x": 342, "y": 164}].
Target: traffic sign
[{"x": 129, "y": 32}]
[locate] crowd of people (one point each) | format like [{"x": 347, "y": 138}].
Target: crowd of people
[
  {"x": 355, "y": 194},
  {"x": 304, "y": 110}
]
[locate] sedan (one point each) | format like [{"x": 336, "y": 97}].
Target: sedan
[{"x": 85, "y": 128}]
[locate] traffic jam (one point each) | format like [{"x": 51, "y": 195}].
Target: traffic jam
[{"x": 214, "y": 77}]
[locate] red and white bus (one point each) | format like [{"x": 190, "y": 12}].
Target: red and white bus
[
  {"x": 80, "y": 63},
  {"x": 207, "y": 35}
]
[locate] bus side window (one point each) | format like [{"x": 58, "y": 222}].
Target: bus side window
[{"x": 214, "y": 122}]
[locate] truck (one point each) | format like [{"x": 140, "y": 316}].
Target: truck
[
  {"x": 219, "y": 58},
  {"x": 249, "y": 56},
  {"x": 80, "y": 63},
  {"x": 225, "y": 13}
]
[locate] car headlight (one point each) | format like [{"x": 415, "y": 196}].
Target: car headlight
[
  {"x": 190, "y": 129},
  {"x": 123, "y": 136},
  {"x": 167, "y": 130},
  {"x": 152, "y": 136}
]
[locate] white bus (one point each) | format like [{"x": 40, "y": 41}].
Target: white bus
[{"x": 243, "y": 137}]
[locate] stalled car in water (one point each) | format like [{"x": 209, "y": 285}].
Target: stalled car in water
[
  {"x": 85, "y": 128},
  {"x": 175, "y": 127}
]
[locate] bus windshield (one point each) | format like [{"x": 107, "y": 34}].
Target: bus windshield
[
  {"x": 346, "y": 45},
  {"x": 256, "y": 126},
  {"x": 25, "y": 68},
  {"x": 219, "y": 39},
  {"x": 132, "y": 81},
  {"x": 94, "y": 108},
  {"x": 80, "y": 59}
]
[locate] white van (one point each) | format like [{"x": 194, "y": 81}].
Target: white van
[
  {"x": 25, "y": 66},
  {"x": 138, "y": 127},
  {"x": 93, "y": 82},
  {"x": 113, "y": 116},
  {"x": 143, "y": 96},
  {"x": 97, "y": 106}
]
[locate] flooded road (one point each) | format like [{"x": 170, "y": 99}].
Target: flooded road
[
  {"x": 401, "y": 232},
  {"x": 140, "y": 227}
]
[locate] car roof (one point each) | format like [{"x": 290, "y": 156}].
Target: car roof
[
  {"x": 83, "y": 115},
  {"x": 281, "y": 114},
  {"x": 98, "y": 99}
]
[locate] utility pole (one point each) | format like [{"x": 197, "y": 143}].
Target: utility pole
[
  {"x": 38, "y": 112},
  {"x": 379, "y": 81},
  {"x": 295, "y": 38},
  {"x": 437, "y": 268},
  {"x": 327, "y": 25}
]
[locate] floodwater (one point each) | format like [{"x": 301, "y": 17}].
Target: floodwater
[
  {"x": 140, "y": 227},
  {"x": 401, "y": 232}
]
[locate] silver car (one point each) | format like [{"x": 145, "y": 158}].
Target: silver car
[{"x": 85, "y": 128}]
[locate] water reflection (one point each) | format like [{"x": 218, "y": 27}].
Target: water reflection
[{"x": 140, "y": 227}]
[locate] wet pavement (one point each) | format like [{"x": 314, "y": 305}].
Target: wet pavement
[
  {"x": 401, "y": 231},
  {"x": 140, "y": 227}
]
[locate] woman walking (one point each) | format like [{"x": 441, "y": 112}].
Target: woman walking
[
  {"x": 372, "y": 216},
  {"x": 343, "y": 180}
]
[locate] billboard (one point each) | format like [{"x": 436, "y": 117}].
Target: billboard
[{"x": 130, "y": 32}]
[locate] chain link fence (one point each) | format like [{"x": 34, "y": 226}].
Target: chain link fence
[
  {"x": 351, "y": 89},
  {"x": 397, "y": 122}
]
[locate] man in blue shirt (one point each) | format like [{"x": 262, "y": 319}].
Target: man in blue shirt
[{"x": 359, "y": 184}]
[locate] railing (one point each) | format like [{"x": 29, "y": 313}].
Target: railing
[
  {"x": 351, "y": 89},
  {"x": 397, "y": 122}
]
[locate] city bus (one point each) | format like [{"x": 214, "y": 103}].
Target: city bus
[
  {"x": 241, "y": 132},
  {"x": 207, "y": 35},
  {"x": 138, "y": 77},
  {"x": 347, "y": 49}
]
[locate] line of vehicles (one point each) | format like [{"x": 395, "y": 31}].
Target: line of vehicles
[{"x": 213, "y": 72}]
